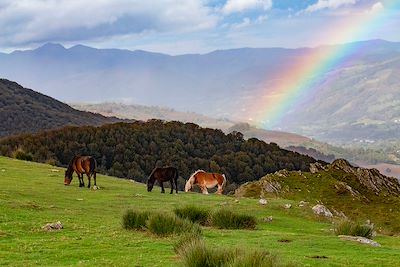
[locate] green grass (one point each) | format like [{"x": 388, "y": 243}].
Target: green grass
[{"x": 33, "y": 194}]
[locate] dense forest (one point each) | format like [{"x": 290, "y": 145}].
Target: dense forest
[
  {"x": 23, "y": 110},
  {"x": 132, "y": 150}
]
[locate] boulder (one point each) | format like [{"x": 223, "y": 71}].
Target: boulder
[
  {"x": 322, "y": 210},
  {"x": 53, "y": 226}
]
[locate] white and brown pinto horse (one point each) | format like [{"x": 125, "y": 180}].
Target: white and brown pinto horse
[{"x": 206, "y": 180}]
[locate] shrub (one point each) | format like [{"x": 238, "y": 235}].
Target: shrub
[
  {"x": 186, "y": 239},
  {"x": 226, "y": 219},
  {"x": 167, "y": 224},
  {"x": 135, "y": 220},
  {"x": 22, "y": 155},
  {"x": 347, "y": 227},
  {"x": 195, "y": 214},
  {"x": 195, "y": 253}
]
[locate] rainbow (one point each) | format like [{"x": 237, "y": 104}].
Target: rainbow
[{"x": 303, "y": 77}]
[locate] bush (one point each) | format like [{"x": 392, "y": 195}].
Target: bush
[
  {"x": 347, "y": 227},
  {"x": 186, "y": 239},
  {"x": 195, "y": 253},
  {"x": 135, "y": 220},
  {"x": 167, "y": 224},
  {"x": 195, "y": 214},
  {"x": 226, "y": 219},
  {"x": 22, "y": 155}
]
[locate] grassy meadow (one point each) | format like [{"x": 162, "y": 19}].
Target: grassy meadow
[{"x": 33, "y": 194}]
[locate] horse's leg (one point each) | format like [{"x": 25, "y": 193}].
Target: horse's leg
[
  {"x": 162, "y": 187},
  {"x": 204, "y": 189},
  {"x": 83, "y": 182},
  {"x": 172, "y": 185},
  {"x": 219, "y": 191},
  {"x": 88, "y": 176},
  {"x": 79, "y": 179},
  {"x": 94, "y": 178},
  {"x": 176, "y": 185}
]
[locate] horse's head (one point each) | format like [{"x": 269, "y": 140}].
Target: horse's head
[
  {"x": 67, "y": 178},
  {"x": 150, "y": 184},
  {"x": 188, "y": 186}
]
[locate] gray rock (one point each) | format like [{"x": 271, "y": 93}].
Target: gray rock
[
  {"x": 267, "y": 219},
  {"x": 322, "y": 210},
  {"x": 53, "y": 226},
  {"x": 287, "y": 206},
  {"x": 360, "y": 239}
]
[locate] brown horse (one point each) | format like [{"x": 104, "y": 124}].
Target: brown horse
[
  {"x": 206, "y": 180},
  {"x": 81, "y": 165},
  {"x": 163, "y": 175}
]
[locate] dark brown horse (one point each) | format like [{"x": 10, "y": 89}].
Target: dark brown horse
[
  {"x": 81, "y": 165},
  {"x": 163, "y": 175}
]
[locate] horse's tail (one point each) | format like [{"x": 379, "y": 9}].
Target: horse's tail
[
  {"x": 93, "y": 165},
  {"x": 224, "y": 182}
]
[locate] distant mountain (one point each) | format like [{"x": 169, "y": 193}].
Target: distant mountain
[
  {"x": 356, "y": 100},
  {"x": 144, "y": 113},
  {"x": 23, "y": 110},
  {"x": 141, "y": 112}
]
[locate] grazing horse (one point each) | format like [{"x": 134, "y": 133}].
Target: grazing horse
[
  {"x": 206, "y": 180},
  {"x": 81, "y": 165},
  {"x": 163, "y": 175}
]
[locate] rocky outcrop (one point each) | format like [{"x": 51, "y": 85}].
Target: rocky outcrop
[{"x": 370, "y": 178}]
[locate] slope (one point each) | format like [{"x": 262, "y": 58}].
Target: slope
[
  {"x": 23, "y": 110},
  {"x": 33, "y": 194}
]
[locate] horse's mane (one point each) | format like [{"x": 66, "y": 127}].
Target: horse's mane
[
  {"x": 70, "y": 165},
  {"x": 196, "y": 172}
]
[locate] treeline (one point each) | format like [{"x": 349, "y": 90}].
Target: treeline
[{"x": 132, "y": 150}]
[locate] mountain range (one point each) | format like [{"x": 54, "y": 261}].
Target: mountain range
[{"x": 357, "y": 101}]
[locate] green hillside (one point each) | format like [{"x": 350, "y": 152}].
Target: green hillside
[{"x": 33, "y": 194}]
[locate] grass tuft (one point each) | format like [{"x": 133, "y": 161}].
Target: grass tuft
[
  {"x": 135, "y": 220},
  {"x": 168, "y": 224},
  {"x": 347, "y": 227},
  {"x": 195, "y": 253},
  {"x": 193, "y": 213},
  {"x": 226, "y": 219}
]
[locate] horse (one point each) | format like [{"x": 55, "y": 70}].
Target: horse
[
  {"x": 81, "y": 165},
  {"x": 206, "y": 180},
  {"x": 163, "y": 175}
]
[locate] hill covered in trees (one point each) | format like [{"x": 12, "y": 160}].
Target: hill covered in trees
[
  {"x": 132, "y": 150},
  {"x": 23, "y": 110}
]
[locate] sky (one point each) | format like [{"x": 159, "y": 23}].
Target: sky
[{"x": 188, "y": 26}]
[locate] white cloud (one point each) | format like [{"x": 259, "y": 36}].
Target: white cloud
[
  {"x": 376, "y": 7},
  {"x": 233, "y": 6},
  {"x": 34, "y": 21},
  {"x": 329, "y": 4}
]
